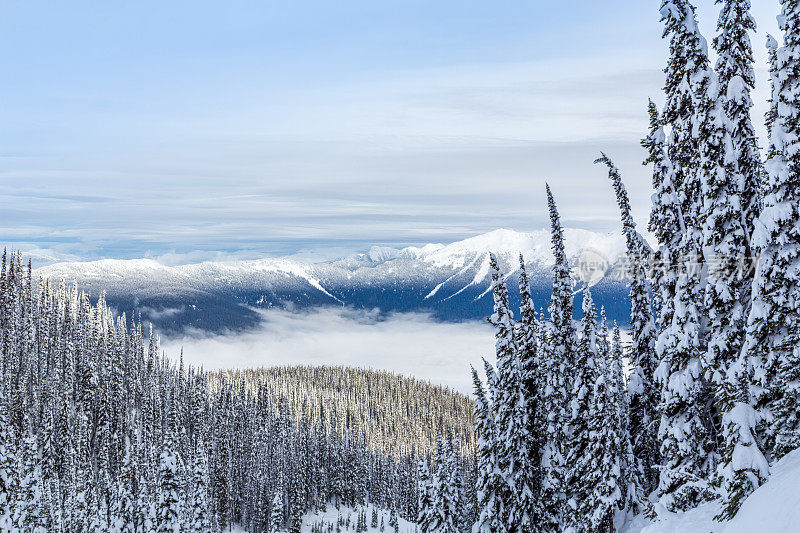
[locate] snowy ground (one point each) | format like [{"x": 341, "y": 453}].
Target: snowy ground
[
  {"x": 700, "y": 520},
  {"x": 331, "y": 515},
  {"x": 773, "y": 508}
]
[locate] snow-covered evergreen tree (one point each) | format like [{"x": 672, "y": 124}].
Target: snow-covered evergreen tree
[
  {"x": 361, "y": 525},
  {"x": 686, "y": 454},
  {"x": 632, "y": 479},
  {"x": 732, "y": 198},
  {"x": 198, "y": 508},
  {"x": 603, "y": 335},
  {"x": 298, "y": 505},
  {"x": 734, "y": 69},
  {"x": 665, "y": 220},
  {"x": 511, "y": 406},
  {"x": 772, "y": 112},
  {"x": 8, "y": 470},
  {"x": 489, "y": 479},
  {"x": 528, "y": 350},
  {"x": 123, "y": 506},
  {"x": 602, "y": 483},
  {"x": 580, "y": 461},
  {"x": 276, "y": 517},
  {"x": 446, "y": 489},
  {"x": 28, "y": 514},
  {"x": 426, "y": 517},
  {"x": 168, "y": 507},
  {"x": 773, "y": 328},
  {"x": 642, "y": 354},
  {"x": 393, "y": 522},
  {"x": 725, "y": 223},
  {"x": 556, "y": 357}
]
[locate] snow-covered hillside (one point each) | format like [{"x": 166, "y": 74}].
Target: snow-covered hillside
[
  {"x": 773, "y": 508},
  {"x": 450, "y": 281}
]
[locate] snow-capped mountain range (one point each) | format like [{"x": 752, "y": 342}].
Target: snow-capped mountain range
[{"x": 452, "y": 282}]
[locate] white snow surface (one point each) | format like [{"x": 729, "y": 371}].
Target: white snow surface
[
  {"x": 700, "y": 520},
  {"x": 331, "y": 514},
  {"x": 773, "y": 508}
]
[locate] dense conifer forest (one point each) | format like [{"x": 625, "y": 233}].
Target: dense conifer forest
[
  {"x": 392, "y": 413},
  {"x": 100, "y": 432}
]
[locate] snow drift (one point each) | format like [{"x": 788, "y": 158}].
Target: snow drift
[{"x": 773, "y": 508}]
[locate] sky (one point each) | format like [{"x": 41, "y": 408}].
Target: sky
[{"x": 205, "y": 130}]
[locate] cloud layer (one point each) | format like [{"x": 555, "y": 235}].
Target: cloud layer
[{"x": 410, "y": 344}]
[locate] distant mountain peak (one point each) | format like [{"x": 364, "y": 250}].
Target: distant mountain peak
[
  {"x": 378, "y": 254},
  {"x": 535, "y": 246}
]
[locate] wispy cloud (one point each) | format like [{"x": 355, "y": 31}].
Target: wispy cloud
[{"x": 150, "y": 313}]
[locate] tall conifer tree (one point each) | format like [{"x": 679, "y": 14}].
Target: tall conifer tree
[
  {"x": 731, "y": 189},
  {"x": 8, "y": 470},
  {"x": 665, "y": 221},
  {"x": 686, "y": 456},
  {"x": 529, "y": 353},
  {"x": 557, "y": 355},
  {"x": 168, "y": 505},
  {"x": 736, "y": 81},
  {"x": 489, "y": 479},
  {"x": 632, "y": 479},
  {"x": 511, "y": 407},
  {"x": 773, "y": 328},
  {"x": 602, "y": 484},
  {"x": 643, "y": 359},
  {"x": 580, "y": 458},
  {"x": 425, "y": 517}
]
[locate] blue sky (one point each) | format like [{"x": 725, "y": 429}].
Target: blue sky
[{"x": 194, "y": 130}]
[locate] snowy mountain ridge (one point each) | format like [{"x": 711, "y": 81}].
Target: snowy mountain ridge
[
  {"x": 450, "y": 281},
  {"x": 535, "y": 247}
]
